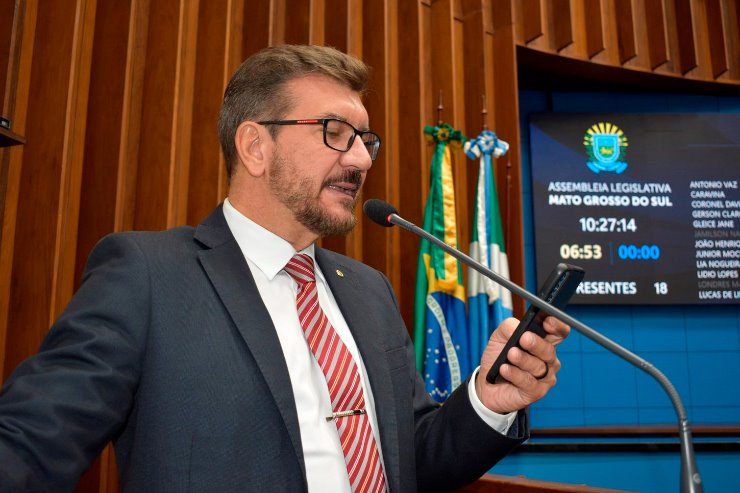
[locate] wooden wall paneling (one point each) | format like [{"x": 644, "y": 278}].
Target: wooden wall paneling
[
  {"x": 731, "y": 24},
  {"x": 258, "y": 26},
  {"x": 317, "y": 20},
  {"x": 447, "y": 86},
  {"x": 528, "y": 16},
  {"x": 218, "y": 51},
  {"x": 478, "y": 72},
  {"x": 72, "y": 157},
  {"x": 131, "y": 115},
  {"x": 714, "y": 29},
  {"x": 577, "y": 47},
  {"x": 345, "y": 33},
  {"x": 685, "y": 39},
  {"x": 109, "y": 481},
  {"x": 130, "y": 44},
  {"x": 11, "y": 32},
  {"x": 11, "y": 29},
  {"x": 103, "y": 137},
  {"x": 51, "y": 164},
  {"x": 680, "y": 34},
  {"x": 700, "y": 37},
  {"x": 414, "y": 87},
  {"x": 102, "y": 475},
  {"x": 297, "y": 21},
  {"x": 655, "y": 29},
  {"x": 99, "y": 190},
  {"x": 380, "y": 51},
  {"x": 443, "y": 51},
  {"x": 182, "y": 117},
  {"x": 685, "y": 28},
  {"x": 625, "y": 30},
  {"x": 559, "y": 22},
  {"x": 593, "y": 27},
  {"x": 114, "y": 122},
  {"x": 489, "y": 63},
  {"x": 233, "y": 57},
  {"x": 15, "y": 104},
  {"x": 393, "y": 156},
  {"x": 478, "y": 91},
  {"x": 335, "y": 34},
  {"x": 8, "y": 10},
  {"x": 641, "y": 61},
  {"x": 354, "y": 27},
  {"x": 506, "y": 124},
  {"x": 610, "y": 54},
  {"x": 127, "y": 165},
  {"x": 336, "y": 18},
  {"x": 276, "y": 24},
  {"x": 429, "y": 114},
  {"x": 585, "y": 30},
  {"x": 461, "y": 164},
  {"x": 672, "y": 65},
  {"x": 335, "y": 31},
  {"x": 153, "y": 207},
  {"x": 355, "y": 34}
]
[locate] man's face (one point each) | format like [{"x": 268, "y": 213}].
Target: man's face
[{"x": 319, "y": 185}]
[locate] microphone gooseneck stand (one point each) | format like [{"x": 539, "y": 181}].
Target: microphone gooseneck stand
[{"x": 690, "y": 478}]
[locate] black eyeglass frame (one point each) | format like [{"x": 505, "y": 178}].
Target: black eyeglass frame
[{"x": 372, "y": 147}]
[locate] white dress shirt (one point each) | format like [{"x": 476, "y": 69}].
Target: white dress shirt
[{"x": 266, "y": 255}]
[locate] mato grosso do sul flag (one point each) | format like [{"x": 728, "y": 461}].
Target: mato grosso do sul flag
[
  {"x": 440, "y": 325},
  {"x": 488, "y": 303}
]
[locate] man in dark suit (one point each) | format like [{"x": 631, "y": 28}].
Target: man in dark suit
[{"x": 188, "y": 348}]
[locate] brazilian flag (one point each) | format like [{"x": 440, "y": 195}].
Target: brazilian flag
[{"x": 440, "y": 324}]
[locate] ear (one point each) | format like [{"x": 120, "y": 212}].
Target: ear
[{"x": 251, "y": 147}]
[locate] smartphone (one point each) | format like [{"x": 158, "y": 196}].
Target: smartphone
[{"x": 557, "y": 290}]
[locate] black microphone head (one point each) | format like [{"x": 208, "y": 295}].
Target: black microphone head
[{"x": 379, "y": 211}]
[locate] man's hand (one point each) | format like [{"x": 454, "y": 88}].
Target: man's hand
[{"x": 531, "y": 373}]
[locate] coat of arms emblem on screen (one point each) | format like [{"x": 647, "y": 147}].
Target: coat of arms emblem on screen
[{"x": 606, "y": 147}]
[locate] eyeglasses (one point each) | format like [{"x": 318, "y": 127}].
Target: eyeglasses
[{"x": 338, "y": 134}]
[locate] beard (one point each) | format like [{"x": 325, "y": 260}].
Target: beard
[{"x": 298, "y": 195}]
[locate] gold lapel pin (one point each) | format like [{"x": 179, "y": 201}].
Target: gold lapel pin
[{"x": 340, "y": 273}]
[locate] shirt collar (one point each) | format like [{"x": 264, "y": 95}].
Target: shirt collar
[{"x": 266, "y": 250}]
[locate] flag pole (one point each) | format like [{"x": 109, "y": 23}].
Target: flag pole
[
  {"x": 484, "y": 113},
  {"x": 439, "y": 109}
]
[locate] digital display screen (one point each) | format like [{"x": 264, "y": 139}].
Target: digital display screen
[{"x": 647, "y": 204}]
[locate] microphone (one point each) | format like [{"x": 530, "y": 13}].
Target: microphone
[
  {"x": 386, "y": 215},
  {"x": 380, "y": 212}
]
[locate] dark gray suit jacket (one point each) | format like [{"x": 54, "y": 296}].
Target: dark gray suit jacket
[{"x": 168, "y": 350}]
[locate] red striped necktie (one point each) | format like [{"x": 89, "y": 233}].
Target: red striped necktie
[{"x": 342, "y": 379}]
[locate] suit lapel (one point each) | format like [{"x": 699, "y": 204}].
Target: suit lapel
[
  {"x": 227, "y": 269},
  {"x": 347, "y": 291},
  {"x": 229, "y": 273}
]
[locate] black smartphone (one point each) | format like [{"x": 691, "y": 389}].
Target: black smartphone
[{"x": 557, "y": 290}]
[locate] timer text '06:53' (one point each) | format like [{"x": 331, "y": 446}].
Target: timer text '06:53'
[{"x": 580, "y": 252}]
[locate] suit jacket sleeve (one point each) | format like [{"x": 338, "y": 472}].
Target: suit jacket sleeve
[
  {"x": 453, "y": 445},
  {"x": 60, "y": 407}
]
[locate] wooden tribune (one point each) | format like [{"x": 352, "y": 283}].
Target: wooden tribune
[{"x": 495, "y": 483}]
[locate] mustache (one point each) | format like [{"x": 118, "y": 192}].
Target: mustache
[{"x": 351, "y": 176}]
